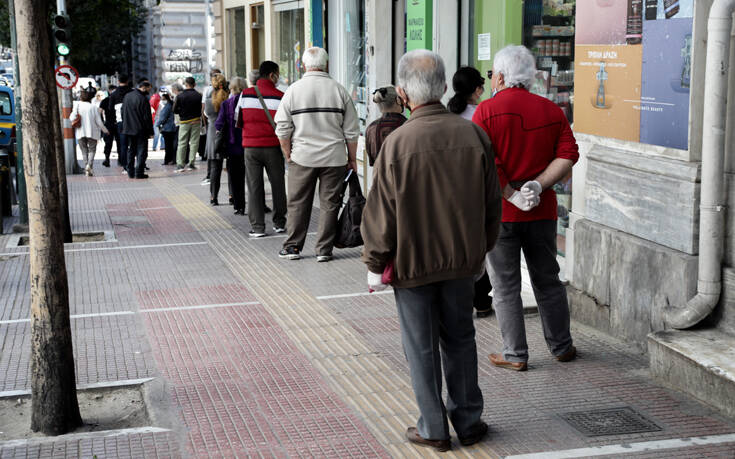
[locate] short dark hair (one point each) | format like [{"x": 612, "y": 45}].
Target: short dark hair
[
  {"x": 86, "y": 96},
  {"x": 190, "y": 81},
  {"x": 143, "y": 82},
  {"x": 123, "y": 79},
  {"x": 112, "y": 87},
  {"x": 268, "y": 67}
]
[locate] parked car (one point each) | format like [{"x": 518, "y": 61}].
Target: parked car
[{"x": 7, "y": 120}]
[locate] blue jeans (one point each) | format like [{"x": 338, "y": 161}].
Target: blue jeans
[
  {"x": 437, "y": 329},
  {"x": 156, "y": 136}
]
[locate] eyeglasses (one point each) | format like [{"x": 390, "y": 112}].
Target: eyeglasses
[{"x": 489, "y": 74}]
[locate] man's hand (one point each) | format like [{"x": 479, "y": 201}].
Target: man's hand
[
  {"x": 375, "y": 282},
  {"x": 518, "y": 200},
  {"x": 531, "y": 190},
  {"x": 352, "y": 164}
]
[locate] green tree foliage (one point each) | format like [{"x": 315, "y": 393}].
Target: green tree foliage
[
  {"x": 101, "y": 31},
  {"x": 4, "y": 24}
]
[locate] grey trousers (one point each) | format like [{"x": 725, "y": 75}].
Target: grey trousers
[
  {"x": 301, "y": 184},
  {"x": 270, "y": 159},
  {"x": 437, "y": 328},
  {"x": 88, "y": 146},
  {"x": 538, "y": 241}
]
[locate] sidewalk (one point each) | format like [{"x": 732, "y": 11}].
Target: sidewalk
[{"x": 275, "y": 358}]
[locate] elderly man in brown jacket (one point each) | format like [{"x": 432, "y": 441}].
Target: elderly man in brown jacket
[{"x": 434, "y": 211}]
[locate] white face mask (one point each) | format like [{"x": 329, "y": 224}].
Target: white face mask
[{"x": 495, "y": 91}]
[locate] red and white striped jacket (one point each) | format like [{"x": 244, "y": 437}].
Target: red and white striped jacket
[{"x": 256, "y": 129}]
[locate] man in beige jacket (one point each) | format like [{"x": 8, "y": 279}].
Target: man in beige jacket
[{"x": 434, "y": 211}]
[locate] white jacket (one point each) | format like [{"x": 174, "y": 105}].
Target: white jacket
[
  {"x": 91, "y": 120},
  {"x": 318, "y": 115}
]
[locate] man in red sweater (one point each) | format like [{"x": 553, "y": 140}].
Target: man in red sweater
[
  {"x": 262, "y": 149},
  {"x": 534, "y": 149}
]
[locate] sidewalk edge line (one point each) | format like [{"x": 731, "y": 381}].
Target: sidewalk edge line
[
  {"x": 352, "y": 295},
  {"x": 627, "y": 448},
  {"x": 200, "y": 306},
  {"x": 81, "y": 436},
  {"x": 97, "y": 385}
]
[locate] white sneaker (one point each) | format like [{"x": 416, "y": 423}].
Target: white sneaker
[
  {"x": 279, "y": 230},
  {"x": 323, "y": 258},
  {"x": 255, "y": 234}
]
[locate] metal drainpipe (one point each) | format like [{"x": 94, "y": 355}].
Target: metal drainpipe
[{"x": 713, "y": 199}]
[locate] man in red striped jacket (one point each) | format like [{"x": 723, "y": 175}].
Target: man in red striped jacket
[{"x": 262, "y": 149}]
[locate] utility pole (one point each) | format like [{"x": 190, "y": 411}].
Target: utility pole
[
  {"x": 66, "y": 152},
  {"x": 54, "y": 404},
  {"x": 67, "y": 103},
  {"x": 20, "y": 175}
]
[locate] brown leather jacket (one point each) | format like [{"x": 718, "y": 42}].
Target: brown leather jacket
[
  {"x": 434, "y": 207},
  {"x": 378, "y": 130}
]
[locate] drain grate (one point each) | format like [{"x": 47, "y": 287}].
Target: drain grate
[{"x": 613, "y": 421}]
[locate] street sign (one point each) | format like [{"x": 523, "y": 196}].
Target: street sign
[{"x": 66, "y": 76}]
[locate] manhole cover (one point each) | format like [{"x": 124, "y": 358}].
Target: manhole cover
[{"x": 614, "y": 421}]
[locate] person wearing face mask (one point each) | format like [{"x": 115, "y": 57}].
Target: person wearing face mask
[
  {"x": 391, "y": 106},
  {"x": 137, "y": 126},
  {"x": 535, "y": 148},
  {"x": 436, "y": 249},
  {"x": 255, "y": 112},
  {"x": 468, "y": 87}
]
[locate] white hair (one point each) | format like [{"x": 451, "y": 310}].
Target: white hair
[
  {"x": 517, "y": 65},
  {"x": 315, "y": 59},
  {"x": 421, "y": 75}
]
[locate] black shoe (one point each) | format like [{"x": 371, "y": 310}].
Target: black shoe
[
  {"x": 141, "y": 176},
  {"x": 106, "y": 163},
  {"x": 476, "y": 433},
  {"x": 291, "y": 253},
  {"x": 267, "y": 209},
  {"x": 240, "y": 212},
  {"x": 232, "y": 201},
  {"x": 213, "y": 202},
  {"x": 147, "y": 168}
]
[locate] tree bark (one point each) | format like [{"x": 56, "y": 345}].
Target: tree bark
[
  {"x": 61, "y": 168},
  {"x": 55, "y": 409}
]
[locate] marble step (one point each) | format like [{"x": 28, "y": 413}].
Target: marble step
[{"x": 698, "y": 362}]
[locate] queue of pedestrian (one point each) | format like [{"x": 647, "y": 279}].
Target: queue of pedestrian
[{"x": 455, "y": 200}]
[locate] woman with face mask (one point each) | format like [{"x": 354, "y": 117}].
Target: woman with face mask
[
  {"x": 391, "y": 106},
  {"x": 468, "y": 85}
]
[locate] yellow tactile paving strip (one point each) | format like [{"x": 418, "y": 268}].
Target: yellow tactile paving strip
[{"x": 366, "y": 382}]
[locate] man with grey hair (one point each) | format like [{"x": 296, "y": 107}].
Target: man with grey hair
[
  {"x": 435, "y": 248},
  {"x": 318, "y": 130},
  {"x": 535, "y": 148}
]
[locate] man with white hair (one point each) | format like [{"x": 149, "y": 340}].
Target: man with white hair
[
  {"x": 436, "y": 246},
  {"x": 318, "y": 130},
  {"x": 535, "y": 148}
]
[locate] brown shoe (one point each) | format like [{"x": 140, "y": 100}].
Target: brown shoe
[
  {"x": 499, "y": 361},
  {"x": 568, "y": 356},
  {"x": 412, "y": 434}
]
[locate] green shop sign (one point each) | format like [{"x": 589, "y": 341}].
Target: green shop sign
[{"x": 419, "y": 15}]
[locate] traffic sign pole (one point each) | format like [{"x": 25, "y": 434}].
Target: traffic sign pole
[{"x": 70, "y": 150}]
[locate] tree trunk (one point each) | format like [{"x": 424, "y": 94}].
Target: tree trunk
[
  {"x": 61, "y": 167},
  {"x": 55, "y": 409}
]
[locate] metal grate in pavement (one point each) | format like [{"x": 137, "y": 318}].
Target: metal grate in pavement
[{"x": 614, "y": 421}]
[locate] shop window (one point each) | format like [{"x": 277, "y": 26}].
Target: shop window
[
  {"x": 236, "y": 39},
  {"x": 289, "y": 39},
  {"x": 548, "y": 31},
  {"x": 257, "y": 33},
  {"x": 347, "y": 40}
]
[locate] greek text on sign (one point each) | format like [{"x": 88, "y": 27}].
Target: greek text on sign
[
  {"x": 66, "y": 76},
  {"x": 484, "y": 48}
]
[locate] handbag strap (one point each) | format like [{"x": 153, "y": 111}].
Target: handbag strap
[{"x": 265, "y": 108}]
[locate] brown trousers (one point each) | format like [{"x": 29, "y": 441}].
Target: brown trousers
[{"x": 301, "y": 186}]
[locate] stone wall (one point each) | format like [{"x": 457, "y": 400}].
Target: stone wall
[{"x": 621, "y": 283}]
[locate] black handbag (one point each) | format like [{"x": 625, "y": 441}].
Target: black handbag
[
  {"x": 220, "y": 145},
  {"x": 348, "y": 225}
]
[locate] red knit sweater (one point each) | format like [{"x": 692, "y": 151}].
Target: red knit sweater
[{"x": 527, "y": 132}]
